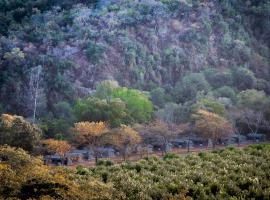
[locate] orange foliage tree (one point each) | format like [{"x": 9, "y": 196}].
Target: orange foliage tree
[
  {"x": 211, "y": 125},
  {"x": 124, "y": 138},
  {"x": 161, "y": 132},
  {"x": 57, "y": 146},
  {"x": 89, "y": 134}
]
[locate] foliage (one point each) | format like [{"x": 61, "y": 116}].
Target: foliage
[
  {"x": 211, "y": 105},
  {"x": 124, "y": 139},
  {"x": 243, "y": 78},
  {"x": 114, "y": 112},
  {"x": 160, "y": 133},
  {"x": 17, "y": 132},
  {"x": 23, "y": 176},
  {"x": 217, "y": 78},
  {"x": 191, "y": 84},
  {"x": 225, "y": 91},
  {"x": 94, "y": 52},
  {"x": 253, "y": 99},
  {"x": 193, "y": 176},
  {"x": 57, "y": 147},
  {"x": 158, "y": 97},
  {"x": 89, "y": 134},
  {"x": 138, "y": 104},
  {"x": 211, "y": 125},
  {"x": 104, "y": 89}
]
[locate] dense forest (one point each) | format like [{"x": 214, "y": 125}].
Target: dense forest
[{"x": 127, "y": 76}]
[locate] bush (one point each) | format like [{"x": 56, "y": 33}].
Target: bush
[
  {"x": 169, "y": 156},
  {"x": 225, "y": 91},
  {"x": 104, "y": 163},
  {"x": 243, "y": 78}
]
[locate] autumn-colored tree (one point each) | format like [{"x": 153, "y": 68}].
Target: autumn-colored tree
[
  {"x": 161, "y": 133},
  {"x": 59, "y": 147},
  {"x": 123, "y": 138},
  {"x": 89, "y": 134},
  {"x": 16, "y": 131},
  {"x": 211, "y": 125}
]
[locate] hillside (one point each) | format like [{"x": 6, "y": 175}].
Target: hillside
[{"x": 67, "y": 47}]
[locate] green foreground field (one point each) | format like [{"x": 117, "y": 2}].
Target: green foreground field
[{"x": 222, "y": 174}]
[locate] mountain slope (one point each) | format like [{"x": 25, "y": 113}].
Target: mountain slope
[{"x": 59, "y": 52}]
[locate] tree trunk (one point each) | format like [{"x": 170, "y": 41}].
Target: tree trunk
[
  {"x": 188, "y": 147},
  {"x": 96, "y": 159}
]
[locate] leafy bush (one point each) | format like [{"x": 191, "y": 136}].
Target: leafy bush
[{"x": 243, "y": 78}]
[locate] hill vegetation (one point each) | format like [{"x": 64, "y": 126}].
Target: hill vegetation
[
  {"x": 129, "y": 75},
  {"x": 179, "y": 51}
]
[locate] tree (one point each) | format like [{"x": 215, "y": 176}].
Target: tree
[
  {"x": 170, "y": 113},
  {"x": 89, "y": 134},
  {"x": 225, "y": 91},
  {"x": 160, "y": 133},
  {"x": 158, "y": 96},
  {"x": 252, "y": 105},
  {"x": 243, "y": 78},
  {"x": 124, "y": 138},
  {"x": 95, "y": 52},
  {"x": 114, "y": 112},
  {"x": 211, "y": 105},
  {"x": 211, "y": 125},
  {"x": 16, "y": 131},
  {"x": 57, "y": 147},
  {"x": 252, "y": 99},
  {"x": 253, "y": 119},
  {"x": 138, "y": 104},
  {"x": 104, "y": 89},
  {"x": 218, "y": 78},
  {"x": 191, "y": 84}
]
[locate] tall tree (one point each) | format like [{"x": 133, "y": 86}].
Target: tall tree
[
  {"x": 138, "y": 104},
  {"x": 124, "y": 138},
  {"x": 89, "y": 134},
  {"x": 161, "y": 133},
  {"x": 211, "y": 125},
  {"x": 57, "y": 147}
]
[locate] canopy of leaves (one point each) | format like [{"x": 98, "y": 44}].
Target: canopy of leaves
[
  {"x": 17, "y": 132},
  {"x": 252, "y": 99},
  {"x": 211, "y": 125},
  {"x": 191, "y": 84},
  {"x": 115, "y": 111},
  {"x": 89, "y": 133},
  {"x": 138, "y": 104}
]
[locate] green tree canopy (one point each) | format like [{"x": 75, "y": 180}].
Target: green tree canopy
[
  {"x": 114, "y": 112},
  {"x": 138, "y": 104},
  {"x": 191, "y": 84},
  {"x": 252, "y": 99}
]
